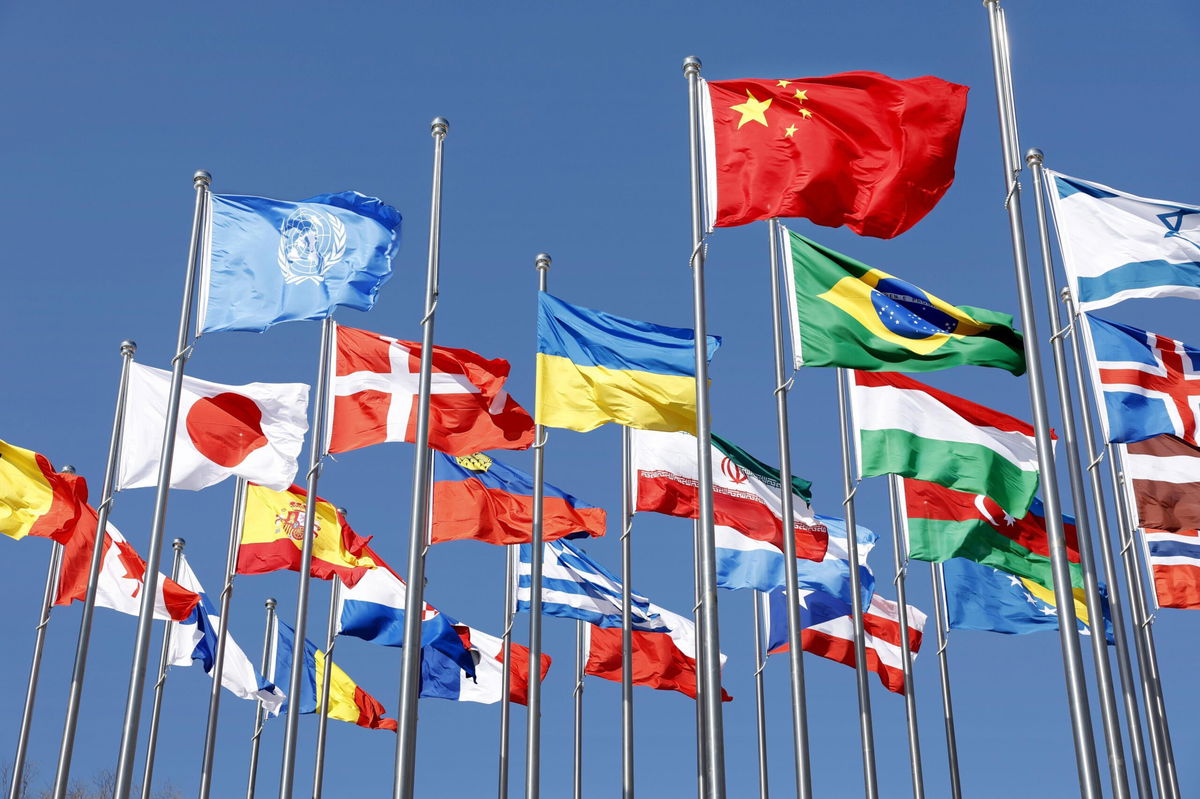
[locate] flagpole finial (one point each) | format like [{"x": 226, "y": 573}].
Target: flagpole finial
[
  {"x": 1065, "y": 293},
  {"x": 67, "y": 469},
  {"x": 179, "y": 544},
  {"x": 542, "y": 261},
  {"x": 128, "y": 347},
  {"x": 440, "y": 126},
  {"x": 270, "y": 603},
  {"x": 1034, "y": 156},
  {"x": 201, "y": 178},
  {"x": 342, "y": 512},
  {"x": 691, "y": 64}
]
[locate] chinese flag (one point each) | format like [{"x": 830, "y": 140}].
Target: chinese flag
[{"x": 858, "y": 149}]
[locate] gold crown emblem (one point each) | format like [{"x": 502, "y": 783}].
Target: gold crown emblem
[{"x": 476, "y": 463}]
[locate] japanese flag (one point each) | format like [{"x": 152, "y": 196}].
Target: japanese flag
[{"x": 253, "y": 431}]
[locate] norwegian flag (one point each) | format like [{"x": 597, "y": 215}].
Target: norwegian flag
[{"x": 373, "y": 399}]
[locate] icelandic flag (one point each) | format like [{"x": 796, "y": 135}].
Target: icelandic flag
[
  {"x": 1151, "y": 383},
  {"x": 268, "y": 261},
  {"x": 195, "y": 638},
  {"x": 441, "y": 677},
  {"x": 1119, "y": 246}
]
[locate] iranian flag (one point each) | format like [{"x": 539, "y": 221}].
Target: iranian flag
[
  {"x": 907, "y": 428},
  {"x": 746, "y": 491}
]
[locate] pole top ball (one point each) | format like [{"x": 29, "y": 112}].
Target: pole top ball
[
  {"x": 179, "y": 544},
  {"x": 270, "y": 603},
  {"x": 541, "y": 261},
  {"x": 691, "y": 64},
  {"x": 1034, "y": 156},
  {"x": 67, "y": 469},
  {"x": 440, "y": 126},
  {"x": 201, "y": 178},
  {"x": 128, "y": 347}
]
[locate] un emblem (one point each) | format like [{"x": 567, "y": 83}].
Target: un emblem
[{"x": 310, "y": 241}]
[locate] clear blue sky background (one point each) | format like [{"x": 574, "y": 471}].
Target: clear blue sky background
[{"x": 568, "y": 134}]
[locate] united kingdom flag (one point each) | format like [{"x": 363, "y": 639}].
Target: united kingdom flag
[{"x": 1151, "y": 383}]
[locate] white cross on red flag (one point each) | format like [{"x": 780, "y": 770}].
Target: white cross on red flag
[{"x": 373, "y": 397}]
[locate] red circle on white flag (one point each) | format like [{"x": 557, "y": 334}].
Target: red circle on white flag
[{"x": 226, "y": 428}]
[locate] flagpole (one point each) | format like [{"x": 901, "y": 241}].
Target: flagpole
[
  {"x": 141, "y": 649},
  {"x": 939, "y": 611},
  {"x": 627, "y": 511},
  {"x": 510, "y": 554},
  {"x": 760, "y": 695},
  {"x": 580, "y": 660},
  {"x": 218, "y": 670},
  {"x": 870, "y": 778},
  {"x": 160, "y": 683},
  {"x": 910, "y": 698},
  {"x": 1077, "y": 699},
  {"x": 710, "y": 649},
  {"x": 533, "y": 733},
  {"x": 16, "y": 790},
  {"x": 698, "y": 620},
  {"x": 335, "y": 591},
  {"x": 268, "y": 662}
]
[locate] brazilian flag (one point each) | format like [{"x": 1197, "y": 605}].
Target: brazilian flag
[{"x": 845, "y": 313}]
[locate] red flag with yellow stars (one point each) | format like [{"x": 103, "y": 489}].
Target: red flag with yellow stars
[{"x": 858, "y": 149}]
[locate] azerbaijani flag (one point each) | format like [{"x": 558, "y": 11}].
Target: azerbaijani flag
[
  {"x": 35, "y": 499},
  {"x": 594, "y": 367}
]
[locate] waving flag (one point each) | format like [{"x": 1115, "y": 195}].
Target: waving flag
[
  {"x": 1164, "y": 473},
  {"x": 443, "y": 678},
  {"x": 35, "y": 499},
  {"x": 1175, "y": 563},
  {"x": 373, "y": 399},
  {"x": 576, "y": 587}
]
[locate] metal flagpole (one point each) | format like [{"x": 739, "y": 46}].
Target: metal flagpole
[
  {"x": 910, "y": 697},
  {"x": 580, "y": 660},
  {"x": 760, "y": 694},
  {"x": 533, "y": 734},
  {"x": 1109, "y": 713},
  {"x": 316, "y": 452},
  {"x": 709, "y": 641},
  {"x": 161, "y": 683},
  {"x": 410, "y": 676},
  {"x": 16, "y": 789},
  {"x": 141, "y": 650},
  {"x": 510, "y": 554},
  {"x": 218, "y": 670},
  {"x": 268, "y": 663},
  {"x": 870, "y": 778},
  {"x": 698, "y": 620},
  {"x": 335, "y": 591},
  {"x": 63, "y": 769},
  {"x": 791, "y": 585},
  {"x": 626, "y": 614},
  {"x": 1081, "y": 723},
  {"x": 939, "y": 611}
]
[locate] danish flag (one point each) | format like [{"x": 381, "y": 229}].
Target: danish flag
[{"x": 375, "y": 383}]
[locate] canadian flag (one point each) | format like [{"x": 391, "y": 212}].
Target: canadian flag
[
  {"x": 375, "y": 383},
  {"x": 253, "y": 431}
]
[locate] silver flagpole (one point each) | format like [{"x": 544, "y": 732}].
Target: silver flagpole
[
  {"x": 161, "y": 683},
  {"x": 410, "y": 676},
  {"x": 939, "y": 611},
  {"x": 626, "y": 614},
  {"x": 1109, "y": 713},
  {"x": 335, "y": 590},
  {"x": 218, "y": 671},
  {"x": 910, "y": 697},
  {"x": 709, "y": 641},
  {"x": 580, "y": 660},
  {"x": 698, "y": 620},
  {"x": 760, "y": 695},
  {"x": 63, "y": 770},
  {"x": 316, "y": 452},
  {"x": 1077, "y": 699},
  {"x": 141, "y": 649},
  {"x": 268, "y": 663},
  {"x": 510, "y": 554},
  {"x": 533, "y": 733},
  {"x": 870, "y": 778},
  {"x": 791, "y": 585},
  {"x": 16, "y": 790}
]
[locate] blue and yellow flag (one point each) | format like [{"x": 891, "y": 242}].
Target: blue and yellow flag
[{"x": 594, "y": 368}]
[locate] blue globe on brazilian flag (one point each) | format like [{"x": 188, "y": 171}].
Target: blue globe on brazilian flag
[{"x": 845, "y": 313}]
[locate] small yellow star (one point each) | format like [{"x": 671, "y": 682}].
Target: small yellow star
[
  {"x": 782, "y": 83},
  {"x": 790, "y": 129},
  {"x": 753, "y": 110},
  {"x": 804, "y": 112},
  {"x": 801, "y": 95}
]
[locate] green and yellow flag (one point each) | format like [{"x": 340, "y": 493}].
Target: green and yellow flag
[{"x": 845, "y": 313}]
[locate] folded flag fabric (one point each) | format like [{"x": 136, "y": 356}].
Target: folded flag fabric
[
  {"x": 35, "y": 499},
  {"x": 979, "y": 597},
  {"x": 273, "y": 536},
  {"x": 195, "y": 638},
  {"x": 478, "y": 497},
  {"x": 1175, "y": 563},
  {"x": 746, "y": 491},
  {"x": 845, "y": 313},
  {"x": 375, "y": 385},
  {"x": 347, "y": 701},
  {"x": 253, "y": 431},
  {"x": 1164, "y": 475},
  {"x": 907, "y": 428},
  {"x": 442, "y": 678},
  {"x": 594, "y": 368},
  {"x": 269, "y": 261},
  {"x": 1119, "y": 246},
  {"x": 1151, "y": 383},
  {"x": 858, "y": 149},
  {"x": 943, "y": 523},
  {"x": 576, "y": 587}
]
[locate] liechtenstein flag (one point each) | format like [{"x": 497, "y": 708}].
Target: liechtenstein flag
[{"x": 268, "y": 261}]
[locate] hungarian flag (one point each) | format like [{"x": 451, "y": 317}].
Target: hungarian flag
[
  {"x": 273, "y": 534},
  {"x": 745, "y": 490},
  {"x": 375, "y": 383},
  {"x": 35, "y": 499},
  {"x": 858, "y": 149}
]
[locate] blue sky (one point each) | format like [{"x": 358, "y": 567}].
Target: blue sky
[{"x": 568, "y": 134}]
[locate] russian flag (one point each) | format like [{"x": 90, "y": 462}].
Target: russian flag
[{"x": 442, "y": 678}]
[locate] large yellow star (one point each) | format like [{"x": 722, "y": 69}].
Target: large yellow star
[
  {"x": 801, "y": 94},
  {"x": 782, "y": 83},
  {"x": 753, "y": 110},
  {"x": 804, "y": 112},
  {"x": 790, "y": 129}
]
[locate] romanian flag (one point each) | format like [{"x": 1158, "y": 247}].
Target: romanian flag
[
  {"x": 594, "y": 368},
  {"x": 35, "y": 499},
  {"x": 347, "y": 701},
  {"x": 476, "y": 497},
  {"x": 273, "y": 534}
]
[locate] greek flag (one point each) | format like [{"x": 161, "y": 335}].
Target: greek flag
[{"x": 576, "y": 587}]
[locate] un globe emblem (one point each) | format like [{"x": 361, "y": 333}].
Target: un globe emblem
[{"x": 310, "y": 241}]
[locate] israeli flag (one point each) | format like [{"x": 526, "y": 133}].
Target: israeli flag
[
  {"x": 268, "y": 261},
  {"x": 1119, "y": 246}
]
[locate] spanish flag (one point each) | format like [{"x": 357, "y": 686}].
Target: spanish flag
[
  {"x": 273, "y": 534},
  {"x": 35, "y": 499},
  {"x": 594, "y": 368}
]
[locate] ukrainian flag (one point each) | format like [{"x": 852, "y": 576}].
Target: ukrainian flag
[{"x": 594, "y": 368}]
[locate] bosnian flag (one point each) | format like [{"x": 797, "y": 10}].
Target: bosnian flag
[
  {"x": 253, "y": 431},
  {"x": 1175, "y": 561},
  {"x": 442, "y": 677}
]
